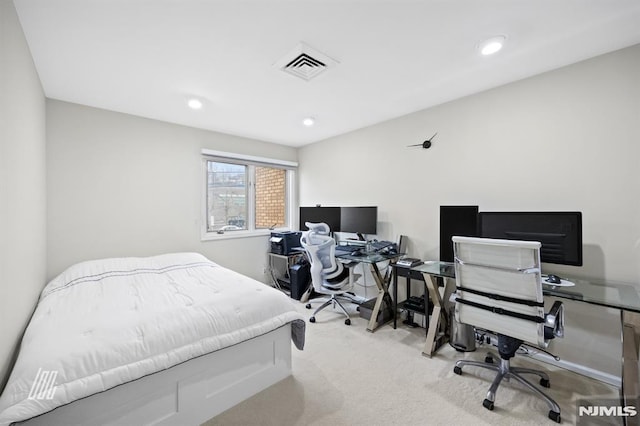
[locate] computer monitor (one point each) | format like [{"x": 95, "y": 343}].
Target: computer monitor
[
  {"x": 359, "y": 220},
  {"x": 328, "y": 215},
  {"x": 559, "y": 232},
  {"x": 456, "y": 220}
]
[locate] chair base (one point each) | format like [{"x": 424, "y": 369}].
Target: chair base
[
  {"x": 504, "y": 370},
  {"x": 332, "y": 300}
]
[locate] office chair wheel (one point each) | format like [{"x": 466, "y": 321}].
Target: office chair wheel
[
  {"x": 457, "y": 370},
  {"x": 312, "y": 319},
  {"x": 545, "y": 383},
  {"x": 347, "y": 321},
  {"x": 308, "y": 306},
  {"x": 489, "y": 405},
  {"x": 555, "y": 416}
]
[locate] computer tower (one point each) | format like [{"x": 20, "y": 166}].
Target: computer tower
[
  {"x": 300, "y": 278},
  {"x": 456, "y": 220}
]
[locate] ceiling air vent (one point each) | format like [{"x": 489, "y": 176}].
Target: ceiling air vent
[{"x": 304, "y": 62}]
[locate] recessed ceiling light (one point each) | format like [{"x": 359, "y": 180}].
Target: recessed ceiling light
[
  {"x": 492, "y": 45},
  {"x": 194, "y": 103},
  {"x": 309, "y": 121}
]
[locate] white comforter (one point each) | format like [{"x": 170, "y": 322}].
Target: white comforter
[{"x": 103, "y": 323}]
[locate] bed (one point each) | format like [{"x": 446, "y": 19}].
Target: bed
[{"x": 169, "y": 339}]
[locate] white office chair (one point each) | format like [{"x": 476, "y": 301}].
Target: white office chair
[
  {"x": 499, "y": 289},
  {"x": 328, "y": 276}
]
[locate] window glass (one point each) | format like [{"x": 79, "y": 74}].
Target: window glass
[
  {"x": 271, "y": 188},
  {"x": 226, "y": 196}
]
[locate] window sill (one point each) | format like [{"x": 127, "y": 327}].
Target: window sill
[{"x": 230, "y": 235}]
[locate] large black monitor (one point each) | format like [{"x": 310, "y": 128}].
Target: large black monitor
[
  {"x": 328, "y": 215},
  {"x": 456, "y": 220},
  {"x": 359, "y": 220},
  {"x": 559, "y": 232}
]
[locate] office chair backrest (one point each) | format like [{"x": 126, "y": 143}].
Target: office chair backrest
[
  {"x": 320, "y": 248},
  {"x": 499, "y": 287},
  {"x": 320, "y": 228}
]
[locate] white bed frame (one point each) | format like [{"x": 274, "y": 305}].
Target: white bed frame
[{"x": 189, "y": 393}]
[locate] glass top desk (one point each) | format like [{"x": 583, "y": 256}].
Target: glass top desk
[
  {"x": 621, "y": 296},
  {"x": 625, "y": 297},
  {"x": 382, "y": 281}
]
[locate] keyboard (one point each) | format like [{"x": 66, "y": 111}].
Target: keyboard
[
  {"x": 348, "y": 247},
  {"x": 379, "y": 245}
]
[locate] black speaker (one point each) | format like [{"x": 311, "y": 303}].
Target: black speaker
[
  {"x": 300, "y": 277},
  {"x": 456, "y": 220}
]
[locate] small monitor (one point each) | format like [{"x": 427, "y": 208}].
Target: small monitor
[
  {"x": 328, "y": 215},
  {"x": 559, "y": 232},
  {"x": 359, "y": 220}
]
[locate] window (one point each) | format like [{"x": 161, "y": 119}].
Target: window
[
  {"x": 246, "y": 195},
  {"x": 271, "y": 197},
  {"x": 226, "y": 196}
]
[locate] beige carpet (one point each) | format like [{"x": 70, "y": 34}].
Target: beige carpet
[{"x": 348, "y": 376}]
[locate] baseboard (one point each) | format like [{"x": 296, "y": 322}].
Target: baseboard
[{"x": 580, "y": 369}]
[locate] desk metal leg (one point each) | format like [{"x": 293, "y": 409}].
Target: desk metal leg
[
  {"x": 383, "y": 294},
  {"x": 395, "y": 299},
  {"x": 438, "y": 323},
  {"x": 630, "y": 389}
]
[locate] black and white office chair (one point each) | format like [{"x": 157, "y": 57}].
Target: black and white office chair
[
  {"x": 328, "y": 276},
  {"x": 499, "y": 289}
]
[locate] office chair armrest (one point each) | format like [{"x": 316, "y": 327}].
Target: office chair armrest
[{"x": 554, "y": 319}]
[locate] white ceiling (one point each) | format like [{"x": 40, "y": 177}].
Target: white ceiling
[{"x": 145, "y": 57}]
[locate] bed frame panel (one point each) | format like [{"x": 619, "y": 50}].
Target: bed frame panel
[{"x": 187, "y": 394}]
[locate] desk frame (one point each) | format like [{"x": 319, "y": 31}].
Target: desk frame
[
  {"x": 438, "y": 324},
  {"x": 438, "y": 332},
  {"x": 382, "y": 282},
  {"x": 383, "y": 292}
]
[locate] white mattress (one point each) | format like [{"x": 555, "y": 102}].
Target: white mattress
[{"x": 107, "y": 322}]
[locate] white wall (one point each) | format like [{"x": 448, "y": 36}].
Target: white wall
[
  {"x": 22, "y": 185},
  {"x": 568, "y": 139},
  {"x": 120, "y": 185},
  {"x": 564, "y": 140}
]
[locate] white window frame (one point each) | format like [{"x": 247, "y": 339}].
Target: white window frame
[{"x": 291, "y": 168}]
